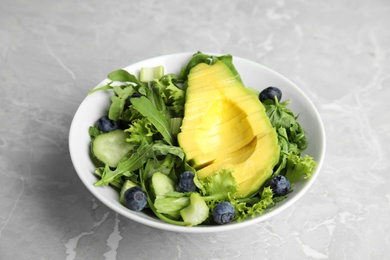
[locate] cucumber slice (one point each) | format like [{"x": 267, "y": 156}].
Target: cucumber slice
[
  {"x": 127, "y": 185},
  {"x": 109, "y": 148},
  {"x": 161, "y": 184},
  {"x": 196, "y": 212}
]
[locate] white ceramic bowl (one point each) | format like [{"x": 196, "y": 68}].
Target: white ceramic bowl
[{"x": 254, "y": 75}]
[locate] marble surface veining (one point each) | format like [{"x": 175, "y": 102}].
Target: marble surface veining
[{"x": 53, "y": 52}]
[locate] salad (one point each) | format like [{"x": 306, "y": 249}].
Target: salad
[{"x": 166, "y": 143}]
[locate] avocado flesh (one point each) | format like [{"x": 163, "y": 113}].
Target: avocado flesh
[{"x": 225, "y": 126}]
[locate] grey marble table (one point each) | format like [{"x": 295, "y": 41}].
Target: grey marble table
[{"x": 53, "y": 52}]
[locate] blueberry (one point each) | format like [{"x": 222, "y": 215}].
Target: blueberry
[
  {"x": 106, "y": 125},
  {"x": 223, "y": 212},
  {"x": 270, "y": 93},
  {"x": 280, "y": 185},
  {"x": 135, "y": 198},
  {"x": 186, "y": 182}
]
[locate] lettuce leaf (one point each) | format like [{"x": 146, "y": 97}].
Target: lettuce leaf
[
  {"x": 257, "y": 206},
  {"x": 219, "y": 185},
  {"x": 298, "y": 166},
  {"x": 173, "y": 96},
  {"x": 141, "y": 130}
]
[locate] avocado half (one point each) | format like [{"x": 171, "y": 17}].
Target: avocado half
[{"x": 225, "y": 126}]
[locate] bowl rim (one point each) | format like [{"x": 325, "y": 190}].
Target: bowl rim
[{"x": 204, "y": 229}]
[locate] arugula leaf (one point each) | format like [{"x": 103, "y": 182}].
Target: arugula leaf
[
  {"x": 105, "y": 87},
  {"x": 124, "y": 76},
  {"x": 117, "y": 183},
  {"x": 154, "y": 96},
  {"x": 163, "y": 149},
  {"x": 156, "y": 117}
]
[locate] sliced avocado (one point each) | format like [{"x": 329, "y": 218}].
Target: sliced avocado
[{"x": 225, "y": 126}]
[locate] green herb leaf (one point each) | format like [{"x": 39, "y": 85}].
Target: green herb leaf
[
  {"x": 116, "y": 108},
  {"x": 146, "y": 108},
  {"x": 163, "y": 149},
  {"x": 124, "y": 76},
  {"x": 105, "y": 87}
]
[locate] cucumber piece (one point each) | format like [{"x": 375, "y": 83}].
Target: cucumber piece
[
  {"x": 175, "y": 124},
  {"x": 109, "y": 148},
  {"x": 161, "y": 184},
  {"x": 171, "y": 206},
  {"x": 196, "y": 212},
  {"x": 149, "y": 74},
  {"x": 127, "y": 185}
]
